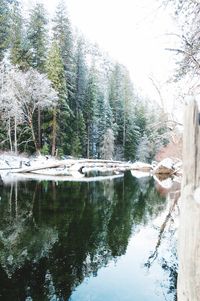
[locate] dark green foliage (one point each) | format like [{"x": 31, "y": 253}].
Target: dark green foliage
[
  {"x": 55, "y": 71},
  {"x": 20, "y": 51},
  {"x": 76, "y": 146},
  {"x": 4, "y": 143},
  {"x": 4, "y": 27},
  {"x": 132, "y": 139},
  {"x": 116, "y": 100},
  {"x": 37, "y": 37},
  {"x": 16, "y": 36},
  {"x": 62, "y": 33},
  {"x": 81, "y": 74},
  {"x": 89, "y": 110},
  {"x": 78, "y": 127}
]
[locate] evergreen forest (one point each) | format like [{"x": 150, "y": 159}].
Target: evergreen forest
[{"x": 60, "y": 94}]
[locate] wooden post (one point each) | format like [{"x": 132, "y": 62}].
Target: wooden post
[{"x": 189, "y": 229}]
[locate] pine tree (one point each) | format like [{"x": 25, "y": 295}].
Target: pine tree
[
  {"x": 4, "y": 27},
  {"x": 143, "y": 149},
  {"x": 37, "y": 43},
  {"x": 103, "y": 120},
  {"x": 130, "y": 130},
  {"x": 116, "y": 103},
  {"x": 77, "y": 120},
  {"x": 62, "y": 33},
  {"x": 17, "y": 48},
  {"x": 107, "y": 147},
  {"x": 37, "y": 37},
  {"x": 56, "y": 74},
  {"x": 80, "y": 76},
  {"x": 100, "y": 121},
  {"x": 132, "y": 138},
  {"x": 89, "y": 109}
]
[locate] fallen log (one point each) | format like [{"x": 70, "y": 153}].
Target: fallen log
[
  {"x": 72, "y": 166},
  {"x": 141, "y": 166},
  {"x": 36, "y": 168}
]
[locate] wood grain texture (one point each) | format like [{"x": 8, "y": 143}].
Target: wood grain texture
[{"x": 189, "y": 229}]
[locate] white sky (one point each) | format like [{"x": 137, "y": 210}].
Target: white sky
[{"x": 131, "y": 31}]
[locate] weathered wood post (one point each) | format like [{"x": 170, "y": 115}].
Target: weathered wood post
[{"x": 189, "y": 230}]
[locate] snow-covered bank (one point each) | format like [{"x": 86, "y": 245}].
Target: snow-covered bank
[
  {"x": 47, "y": 167},
  {"x": 13, "y": 168},
  {"x": 10, "y": 178}
]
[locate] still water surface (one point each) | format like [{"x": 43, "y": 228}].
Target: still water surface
[{"x": 100, "y": 241}]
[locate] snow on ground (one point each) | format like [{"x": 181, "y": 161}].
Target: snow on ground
[
  {"x": 8, "y": 160},
  {"x": 11, "y": 178},
  {"x": 68, "y": 169},
  {"x": 11, "y": 161},
  {"x": 168, "y": 163},
  {"x": 12, "y": 168},
  {"x": 141, "y": 166},
  {"x": 140, "y": 174}
]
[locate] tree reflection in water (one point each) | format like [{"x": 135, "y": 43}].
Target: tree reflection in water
[
  {"x": 167, "y": 232},
  {"x": 53, "y": 235}
]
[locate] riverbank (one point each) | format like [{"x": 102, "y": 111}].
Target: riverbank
[{"x": 69, "y": 169}]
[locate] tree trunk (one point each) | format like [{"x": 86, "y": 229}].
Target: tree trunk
[
  {"x": 9, "y": 134},
  {"x": 124, "y": 134},
  {"x": 88, "y": 142},
  {"x": 54, "y": 127},
  {"x": 189, "y": 229},
  {"x": 39, "y": 127},
  {"x": 15, "y": 134},
  {"x": 34, "y": 138}
]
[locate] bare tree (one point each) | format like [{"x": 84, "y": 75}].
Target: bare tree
[{"x": 22, "y": 93}]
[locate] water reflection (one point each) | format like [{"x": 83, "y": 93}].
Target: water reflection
[{"x": 54, "y": 235}]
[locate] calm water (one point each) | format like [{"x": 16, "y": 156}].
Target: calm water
[{"x": 100, "y": 241}]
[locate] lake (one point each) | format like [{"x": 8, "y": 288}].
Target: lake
[{"x": 112, "y": 240}]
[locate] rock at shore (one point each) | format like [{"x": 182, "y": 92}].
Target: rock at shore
[{"x": 166, "y": 166}]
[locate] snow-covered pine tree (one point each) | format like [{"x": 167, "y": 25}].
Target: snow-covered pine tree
[
  {"x": 89, "y": 108},
  {"x": 18, "y": 55},
  {"x": 37, "y": 39},
  {"x": 107, "y": 147},
  {"x": 4, "y": 27},
  {"x": 37, "y": 35},
  {"x": 61, "y": 112},
  {"x": 78, "y": 128},
  {"x": 62, "y": 33}
]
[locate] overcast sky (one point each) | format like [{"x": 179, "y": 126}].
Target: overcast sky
[{"x": 132, "y": 31}]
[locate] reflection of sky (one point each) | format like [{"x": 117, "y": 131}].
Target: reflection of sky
[{"x": 128, "y": 279}]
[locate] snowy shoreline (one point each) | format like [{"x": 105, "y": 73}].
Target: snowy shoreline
[{"x": 13, "y": 167}]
